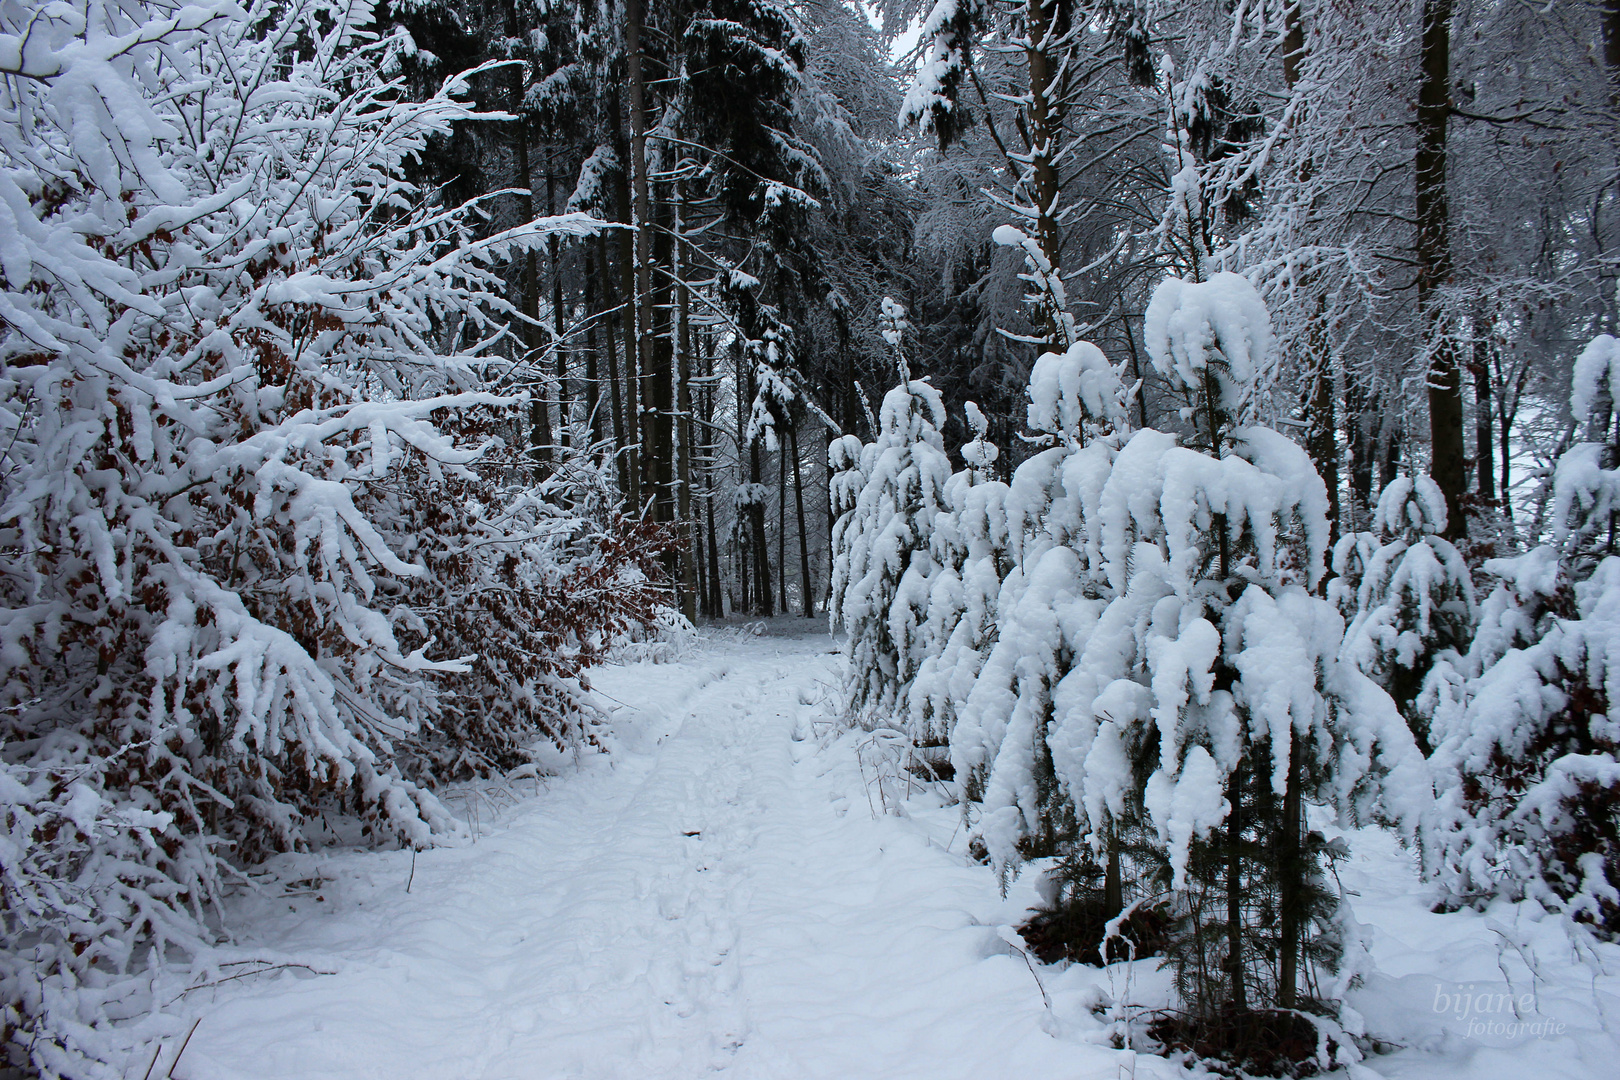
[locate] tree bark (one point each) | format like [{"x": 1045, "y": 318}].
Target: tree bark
[
  {"x": 641, "y": 202},
  {"x": 762, "y": 557},
  {"x": 1291, "y": 875},
  {"x": 593, "y": 367},
  {"x": 1234, "y": 892},
  {"x": 809, "y": 604},
  {"x": 539, "y": 414},
  {"x": 1363, "y": 450},
  {"x": 1447, "y": 453},
  {"x": 714, "y": 597},
  {"x": 680, "y": 338},
  {"x": 564, "y": 419},
  {"x": 1484, "y": 417},
  {"x": 1113, "y": 880},
  {"x": 1389, "y": 462},
  {"x": 781, "y": 526},
  {"x": 661, "y": 383},
  {"x": 1322, "y": 434},
  {"x": 1043, "y": 132},
  {"x": 615, "y": 392}
]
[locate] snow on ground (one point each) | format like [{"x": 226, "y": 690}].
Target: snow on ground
[{"x": 725, "y": 893}]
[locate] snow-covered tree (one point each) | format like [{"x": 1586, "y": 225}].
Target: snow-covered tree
[
  {"x": 1527, "y": 756},
  {"x": 1195, "y": 687},
  {"x": 1407, "y": 593},
  {"x": 1214, "y": 648},
  {"x": 1044, "y": 606},
  {"x": 244, "y": 521},
  {"x": 969, "y": 545},
  {"x": 885, "y": 542}
]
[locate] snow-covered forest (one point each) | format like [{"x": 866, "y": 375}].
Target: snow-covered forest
[{"x": 1197, "y": 422}]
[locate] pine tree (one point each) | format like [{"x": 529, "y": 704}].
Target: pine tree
[
  {"x": 1045, "y": 609},
  {"x": 1527, "y": 755},
  {"x": 887, "y": 537},
  {"x": 1407, "y": 593},
  {"x": 969, "y": 545},
  {"x": 1199, "y": 693}
]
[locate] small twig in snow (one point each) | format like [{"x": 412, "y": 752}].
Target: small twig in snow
[
  {"x": 173, "y": 1064},
  {"x": 153, "y": 1063}
]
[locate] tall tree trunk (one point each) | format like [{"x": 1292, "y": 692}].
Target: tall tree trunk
[
  {"x": 681, "y": 340},
  {"x": 781, "y": 526},
  {"x": 1291, "y": 875},
  {"x": 1234, "y": 892},
  {"x": 1043, "y": 135},
  {"x": 762, "y": 556},
  {"x": 717, "y": 604},
  {"x": 1447, "y": 453},
  {"x": 624, "y": 242},
  {"x": 593, "y": 367},
  {"x": 1044, "y": 125},
  {"x": 742, "y": 533},
  {"x": 1136, "y": 375},
  {"x": 661, "y": 384},
  {"x": 717, "y": 595},
  {"x": 1363, "y": 439},
  {"x": 615, "y": 390},
  {"x": 756, "y": 509},
  {"x": 642, "y": 200},
  {"x": 1484, "y": 416},
  {"x": 1113, "y": 880},
  {"x": 564, "y": 417},
  {"x": 539, "y": 415},
  {"x": 1389, "y": 462},
  {"x": 1322, "y": 432},
  {"x": 804, "y": 534}
]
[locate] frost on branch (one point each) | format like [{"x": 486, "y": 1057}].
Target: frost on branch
[
  {"x": 1076, "y": 394},
  {"x": 243, "y": 449},
  {"x": 1527, "y": 754},
  {"x": 883, "y": 566}
]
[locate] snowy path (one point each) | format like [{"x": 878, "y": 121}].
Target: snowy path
[
  {"x": 718, "y": 897},
  {"x": 713, "y": 901}
]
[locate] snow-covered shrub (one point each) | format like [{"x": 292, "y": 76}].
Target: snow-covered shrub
[
  {"x": 1169, "y": 668},
  {"x": 1407, "y": 593},
  {"x": 1527, "y": 756},
  {"x": 848, "y": 460},
  {"x": 883, "y": 567},
  {"x": 241, "y": 422},
  {"x": 969, "y": 545},
  {"x": 1076, "y": 403},
  {"x": 80, "y": 902},
  {"x": 887, "y": 537},
  {"x": 535, "y": 591}
]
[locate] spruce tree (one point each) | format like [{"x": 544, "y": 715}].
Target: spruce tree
[
  {"x": 1527, "y": 756},
  {"x": 1407, "y": 593},
  {"x": 887, "y": 537}
]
